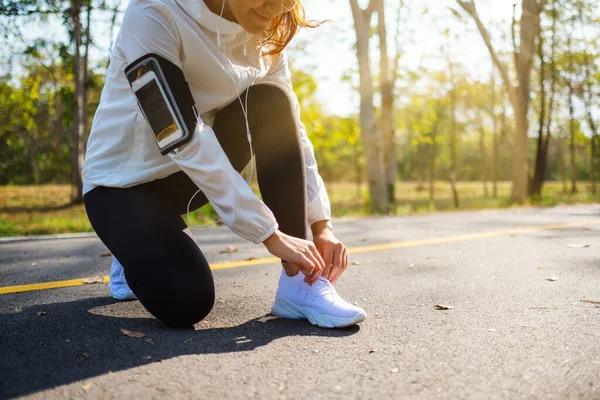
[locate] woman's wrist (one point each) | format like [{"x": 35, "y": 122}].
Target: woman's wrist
[
  {"x": 319, "y": 227},
  {"x": 274, "y": 236}
]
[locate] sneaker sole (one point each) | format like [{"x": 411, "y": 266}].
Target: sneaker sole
[
  {"x": 286, "y": 309},
  {"x": 127, "y": 297}
]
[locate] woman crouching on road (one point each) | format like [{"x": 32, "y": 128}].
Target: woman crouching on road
[{"x": 231, "y": 53}]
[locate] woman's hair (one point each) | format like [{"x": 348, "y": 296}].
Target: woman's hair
[{"x": 282, "y": 29}]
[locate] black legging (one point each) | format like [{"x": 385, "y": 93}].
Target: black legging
[{"x": 143, "y": 228}]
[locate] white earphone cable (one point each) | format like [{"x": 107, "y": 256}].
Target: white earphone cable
[{"x": 244, "y": 111}]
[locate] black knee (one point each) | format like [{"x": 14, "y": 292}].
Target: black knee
[
  {"x": 274, "y": 99},
  {"x": 184, "y": 310},
  {"x": 180, "y": 298}
]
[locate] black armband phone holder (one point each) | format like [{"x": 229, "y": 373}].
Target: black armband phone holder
[{"x": 177, "y": 112}]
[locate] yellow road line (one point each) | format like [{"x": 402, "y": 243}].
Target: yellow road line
[
  {"x": 46, "y": 285},
  {"x": 363, "y": 249},
  {"x": 471, "y": 236}
]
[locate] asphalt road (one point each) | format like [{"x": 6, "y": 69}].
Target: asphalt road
[{"x": 510, "y": 334}]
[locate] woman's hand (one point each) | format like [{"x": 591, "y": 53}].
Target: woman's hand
[
  {"x": 299, "y": 253},
  {"x": 334, "y": 253}
]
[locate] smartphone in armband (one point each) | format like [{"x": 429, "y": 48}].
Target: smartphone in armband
[{"x": 164, "y": 99}]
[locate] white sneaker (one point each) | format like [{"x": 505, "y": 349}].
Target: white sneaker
[
  {"x": 319, "y": 303},
  {"x": 117, "y": 285}
]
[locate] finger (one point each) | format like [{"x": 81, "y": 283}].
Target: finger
[
  {"x": 305, "y": 265},
  {"x": 312, "y": 278},
  {"x": 317, "y": 257},
  {"x": 337, "y": 262},
  {"x": 327, "y": 258},
  {"x": 343, "y": 266}
]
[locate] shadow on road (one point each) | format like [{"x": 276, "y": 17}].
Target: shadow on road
[{"x": 49, "y": 345}]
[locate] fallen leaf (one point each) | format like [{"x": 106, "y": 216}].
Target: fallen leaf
[
  {"x": 552, "y": 278},
  {"x": 578, "y": 246},
  {"x": 267, "y": 318},
  {"x": 282, "y": 387},
  {"x": 266, "y": 273},
  {"x": 394, "y": 370},
  {"x": 132, "y": 333},
  {"x": 93, "y": 279},
  {"x": 41, "y": 313},
  {"x": 591, "y": 301},
  {"x": 443, "y": 307},
  {"x": 107, "y": 254},
  {"x": 228, "y": 250},
  {"x": 86, "y": 386},
  {"x": 252, "y": 258}
]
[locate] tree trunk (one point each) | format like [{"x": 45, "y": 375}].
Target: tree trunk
[
  {"x": 369, "y": 132},
  {"x": 455, "y": 198},
  {"x": 538, "y": 178},
  {"x": 503, "y": 127},
  {"x": 410, "y": 153},
  {"x": 544, "y": 140},
  {"x": 432, "y": 154},
  {"x": 86, "y": 78},
  {"x": 572, "y": 140},
  {"x": 484, "y": 161},
  {"x": 32, "y": 151},
  {"x": 386, "y": 120},
  {"x": 78, "y": 104},
  {"x": 494, "y": 137},
  {"x": 553, "y": 82},
  {"x": 594, "y": 161},
  {"x": 571, "y": 121},
  {"x": 431, "y": 171},
  {"x": 519, "y": 95},
  {"x": 530, "y": 29},
  {"x": 561, "y": 163},
  {"x": 453, "y": 177},
  {"x": 587, "y": 97},
  {"x": 358, "y": 172}
]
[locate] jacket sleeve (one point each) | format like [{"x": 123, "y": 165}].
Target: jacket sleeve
[
  {"x": 149, "y": 28},
  {"x": 318, "y": 205}
]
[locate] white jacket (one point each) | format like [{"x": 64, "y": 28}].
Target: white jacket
[{"x": 121, "y": 150}]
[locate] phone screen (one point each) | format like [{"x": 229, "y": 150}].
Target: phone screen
[{"x": 156, "y": 110}]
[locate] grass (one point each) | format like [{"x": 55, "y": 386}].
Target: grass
[{"x": 36, "y": 210}]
